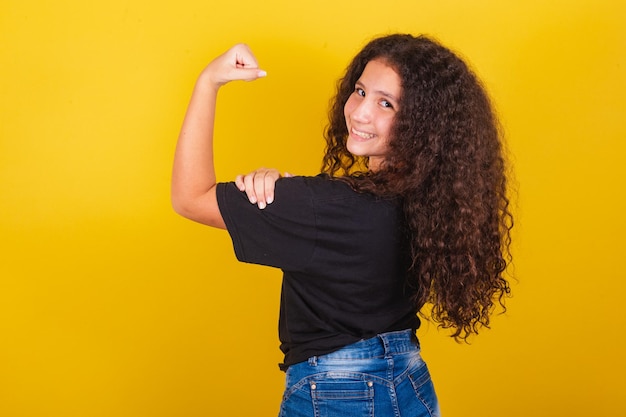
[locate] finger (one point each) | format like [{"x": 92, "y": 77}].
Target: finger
[
  {"x": 246, "y": 63},
  {"x": 269, "y": 185},
  {"x": 248, "y": 181},
  {"x": 244, "y": 57},
  {"x": 239, "y": 183},
  {"x": 259, "y": 188},
  {"x": 238, "y": 63},
  {"x": 288, "y": 175},
  {"x": 250, "y": 74}
]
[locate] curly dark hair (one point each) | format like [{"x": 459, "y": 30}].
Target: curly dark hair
[{"x": 445, "y": 161}]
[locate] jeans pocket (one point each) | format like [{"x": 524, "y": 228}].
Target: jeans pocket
[
  {"x": 342, "y": 397},
  {"x": 423, "y": 387}
]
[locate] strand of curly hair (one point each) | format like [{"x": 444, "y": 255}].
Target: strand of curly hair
[{"x": 445, "y": 162}]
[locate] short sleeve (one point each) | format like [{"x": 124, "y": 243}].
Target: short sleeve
[{"x": 282, "y": 235}]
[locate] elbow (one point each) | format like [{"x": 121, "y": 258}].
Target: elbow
[
  {"x": 203, "y": 209},
  {"x": 183, "y": 203},
  {"x": 178, "y": 207},
  {"x": 181, "y": 206}
]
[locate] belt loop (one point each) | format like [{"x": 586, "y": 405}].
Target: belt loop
[
  {"x": 385, "y": 342},
  {"x": 313, "y": 361}
]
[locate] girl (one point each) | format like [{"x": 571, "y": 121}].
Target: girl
[{"x": 410, "y": 209}]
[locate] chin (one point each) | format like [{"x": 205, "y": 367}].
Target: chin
[{"x": 354, "y": 150}]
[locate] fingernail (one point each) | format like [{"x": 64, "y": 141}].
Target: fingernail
[
  {"x": 262, "y": 73},
  {"x": 261, "y": 205},
  {"x": 252, "y": 200},
  {"x": 270, "y": 199}
]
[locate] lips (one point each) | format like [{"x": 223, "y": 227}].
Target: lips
[{"x": 362, "y": 135}]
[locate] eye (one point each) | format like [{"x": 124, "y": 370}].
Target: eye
[
  {"x": 386, "y": 104},
  {"x": 359, "y": 91}
]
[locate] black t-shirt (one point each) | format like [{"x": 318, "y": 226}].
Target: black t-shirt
[{"x": 343, "y": 256}]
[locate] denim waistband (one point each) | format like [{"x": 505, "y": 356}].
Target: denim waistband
[{"x": 382, "y": 345}]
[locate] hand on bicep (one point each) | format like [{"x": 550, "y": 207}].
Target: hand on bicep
[{"x": 259, "y": 185}]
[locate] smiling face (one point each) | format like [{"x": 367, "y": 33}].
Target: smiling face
[{"x": 370, "y": 111}]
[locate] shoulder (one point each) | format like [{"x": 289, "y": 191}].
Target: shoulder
[
  {"x": 328, "y": 196},
  {"x": 320, "y": 187}
]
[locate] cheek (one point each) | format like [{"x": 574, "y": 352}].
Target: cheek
[
  {"x": 348, "y": 108},
  {"x": 386, "y": 126}
]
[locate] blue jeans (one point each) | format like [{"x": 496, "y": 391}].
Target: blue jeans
[{"x": 382, "y": 376}]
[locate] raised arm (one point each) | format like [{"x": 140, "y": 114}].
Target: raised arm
[{"x": 193, "y": 176}]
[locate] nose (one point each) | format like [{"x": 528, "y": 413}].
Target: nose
[{"x": 361, "y": 112}]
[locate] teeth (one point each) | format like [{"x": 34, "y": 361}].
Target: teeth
[{"x": 362, "y": 134}]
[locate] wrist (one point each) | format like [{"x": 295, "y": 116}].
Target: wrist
[{"x": 207, "y": 83}]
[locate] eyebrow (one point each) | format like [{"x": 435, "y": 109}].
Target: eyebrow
[{"x": 381, "y": 92}]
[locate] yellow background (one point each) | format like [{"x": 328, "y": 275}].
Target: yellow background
[{"x": 111, "y": 305}]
